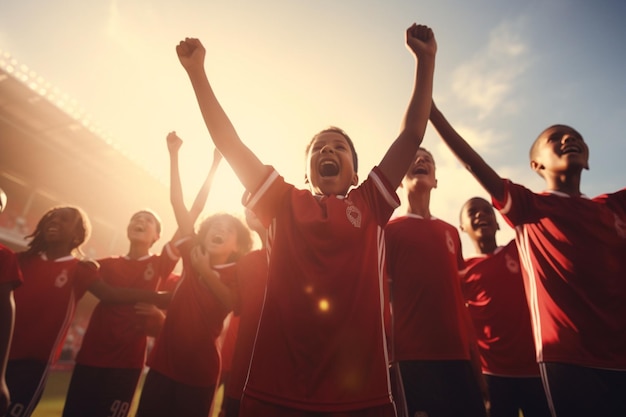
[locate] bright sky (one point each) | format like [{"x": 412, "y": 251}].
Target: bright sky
[{"x": 283, "y": 70}]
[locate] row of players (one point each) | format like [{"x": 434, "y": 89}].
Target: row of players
[{"x": 345, "y": 292}]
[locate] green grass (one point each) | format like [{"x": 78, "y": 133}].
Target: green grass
[{"x": 51, "y": 404}]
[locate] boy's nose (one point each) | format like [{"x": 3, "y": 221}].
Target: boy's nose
[{"x": 326, "y": 149}]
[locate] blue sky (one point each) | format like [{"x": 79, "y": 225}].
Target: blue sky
[{"x": 285, "y": 69}]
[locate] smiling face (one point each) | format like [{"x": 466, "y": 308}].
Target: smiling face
[
  {"x": 220, "y": 240},
  {"x": 478, "y": 219},
  {"x": 559, "y": 149},
  {"x": 63, "y": 226},
  {"x": 330, "y": 164},
  {"x": 143, "y": 227},
  {"x": 421, "y": 173}
]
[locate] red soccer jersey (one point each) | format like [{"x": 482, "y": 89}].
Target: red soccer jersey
[
  {"x": 573, "y": 253},
  {"x": 114, "y": 337},
  {"x": 423, "y": 260},
  {"x": 493, "y": 289},
  {"x": 250, "y": 288},
  {"x": 321, "y": 342},
  {"x": 185, "y": 350},
  {"x": 10, "y": 271},
  {"x": 45, "y": 304}
]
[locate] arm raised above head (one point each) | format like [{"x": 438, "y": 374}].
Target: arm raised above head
[
  {"x": 471, "y": 160},
  {"x": 421, "y": 41},
  {"x": 244, "y": 162}
]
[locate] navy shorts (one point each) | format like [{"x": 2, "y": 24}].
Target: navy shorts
[
  {"x": 100, "y": 392},
  {"x": 574, "y": 391}
]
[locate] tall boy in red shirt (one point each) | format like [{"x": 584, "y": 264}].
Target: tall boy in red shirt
[{"x": 320, "y": 347}]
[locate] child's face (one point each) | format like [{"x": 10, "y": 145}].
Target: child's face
[
  {"x": 143, "y": 227},
  {"x": 330, "y": 167},
  {"x": 421, "y": 172},
  {"x": 61, "y": 227},
  {"x": 478, "y": 219},
  {"x": 559, "y": 149},
  {"x": 220, "y": 241}
]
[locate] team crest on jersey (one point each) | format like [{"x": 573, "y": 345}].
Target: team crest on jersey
[
  {"x": 61, "y": 279},
  {"x": 354, "y": 215},
  {"x": 620, "y": 226},
  {"x": 148, "y": 274},
  {"x": 450, "y": 242},
  {"x": 511, "y": 264}
]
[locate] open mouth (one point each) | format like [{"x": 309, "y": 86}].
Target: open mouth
[
  {"x": 481, "y": 224},
  {"x": 218, "y": 240},
  {"x": 328, "y": 169},
  {"x": 138, "y": 228},
  {"x": 570, "y": 149},
  {"x": 419, "y": 170}
]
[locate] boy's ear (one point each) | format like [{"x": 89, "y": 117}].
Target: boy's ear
[
  {"x": 355, "y": 179},
  {"x": 536, "y": 166},
  {"x": 436, "y": 182}
]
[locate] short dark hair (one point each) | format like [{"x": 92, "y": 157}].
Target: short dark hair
[
  {"x": 153, "y": 214},
  {"x": 533, "y": 147},
  {"x": 335, "y": 129}
]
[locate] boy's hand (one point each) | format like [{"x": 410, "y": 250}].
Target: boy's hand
[
  {"x": 421, "y": 40},
  {"x": 190, "y": 53},
  {"x": 173, "y": 142},
  {"x": 201, "y": 260},
  {"x": 152, "y": 319}
]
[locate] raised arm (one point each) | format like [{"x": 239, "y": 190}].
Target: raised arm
[
  {"x": 421, "y": 41},
  {"x": 243, "y": 161},
  {"x": 183, "y": 219},
  {"x": 203, "y": 193},
  {"x": 486, "y": 176}
]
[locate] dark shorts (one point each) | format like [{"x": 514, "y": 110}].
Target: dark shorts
[
  {"x": 100, "y": 392},
  {"x": 26, "y": 380},
  {"x": 161, "y": 396},
  {"x": 441, "y": 389},
  {"x": 230, "y": 407},
  {"x": 574, "y": 391},
  {"x": 509, "y": 395},
  {"x": 251, "y": 407}
]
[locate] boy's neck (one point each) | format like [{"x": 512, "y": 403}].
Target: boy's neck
[
  {"x": 567, "y": 183},
  {"x": 419, "y": 204},
  {"x": 486, "y": 246},
  {"x": 138, "y": 251}
]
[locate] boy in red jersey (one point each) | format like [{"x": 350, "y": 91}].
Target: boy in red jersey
[
  {"x": 431, "y": 339},
  {"x": 320, "y": 348},
  {"x": 493, "y": 289},
  {"x": 572, "y": 252},
  {"x": 184, "y": 361},
  {"x": 112, "y": 354},
  {"x": 10, "y": 278}
]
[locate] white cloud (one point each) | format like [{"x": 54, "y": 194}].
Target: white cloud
[{"x": 486, "y": 81}]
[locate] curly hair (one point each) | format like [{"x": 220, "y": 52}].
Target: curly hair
[{"x": 244, "y": 237}]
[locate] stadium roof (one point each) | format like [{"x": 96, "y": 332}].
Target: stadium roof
[{"x": 49, "y": 146}]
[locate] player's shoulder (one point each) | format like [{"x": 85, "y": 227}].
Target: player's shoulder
[{"x": 89, "y": 263}]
